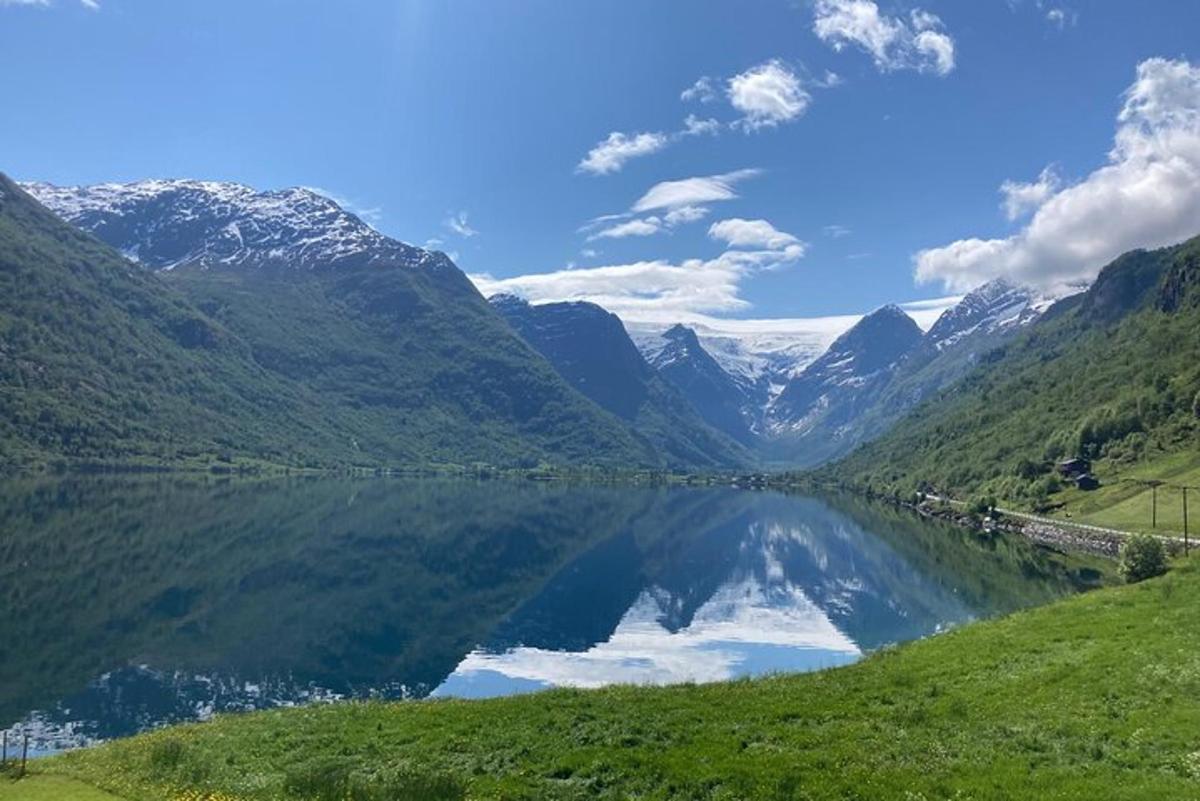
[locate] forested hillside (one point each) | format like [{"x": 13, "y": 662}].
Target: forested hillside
[{"x": 1112, "y": 375}]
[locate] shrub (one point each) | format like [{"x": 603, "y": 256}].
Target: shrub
[
  {"x": 981, "y": 505},
  {"x": 1142, "y": 557}
]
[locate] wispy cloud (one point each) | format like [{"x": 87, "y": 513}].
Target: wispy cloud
[
  {"x": 667, "y": 205},
  {"x": 836, "y": 231},
  {"x": 646, "y": 226},
  {"x": 704, "y": 90},
  {"x": 1062, "y": 18},
  {"x": 93, "y": 5},
  {"x": 1147, "y": 195},
  {"x": 693, "y": 191},
  {"x": 659, "y": 286},
  {"x": 457, "y": 223},
  {"x": 918, "y": 42}
]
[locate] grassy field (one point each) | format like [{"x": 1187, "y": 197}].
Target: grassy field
[
  {"x": 1094, "y": 697},
  {"x": 1123, "y": 503}
]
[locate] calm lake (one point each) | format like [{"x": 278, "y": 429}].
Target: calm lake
[{"x": 132, "y": 602}]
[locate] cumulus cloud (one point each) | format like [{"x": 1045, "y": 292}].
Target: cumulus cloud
[
  {"x": 611, "y": 154},
  {"x": 459, "y": 225},
  {"x": 739, "y": 233},
  {"x": 693, "y": 191},
  {"x": 767, "y": 95},
  {"x": 1022, "y": 198},
  {"x": 1147, "y": 195},
  {"x": 919, "y": 42}
]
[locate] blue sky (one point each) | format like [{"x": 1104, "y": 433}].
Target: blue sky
[{"x": 833, "y": 142}]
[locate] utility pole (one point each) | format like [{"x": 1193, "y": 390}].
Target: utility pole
[
  {"x": 1185, "y": 527},
  {"x": 1154, "y": 505}
]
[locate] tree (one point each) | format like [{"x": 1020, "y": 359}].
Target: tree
[{"x": 1142, "y": 557}]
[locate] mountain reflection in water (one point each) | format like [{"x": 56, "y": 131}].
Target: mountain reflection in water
[{"x": 131, "y": 603}]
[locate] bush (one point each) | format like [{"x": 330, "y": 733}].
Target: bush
[
  {"x": 981, "y": 505},
  {"x": 1142, "y": 557}
]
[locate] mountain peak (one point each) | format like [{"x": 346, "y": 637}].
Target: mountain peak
[
  {"x": 164, "y": 224},
  {"x": 997, "y": 305}
]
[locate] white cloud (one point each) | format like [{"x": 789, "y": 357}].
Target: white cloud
[
  {"x": 836, "y": 231},
  {"x": 588, "y": 253},
  {"x": 651, "y": 289},
  {"x": 459, "y": 225},
  {"x": 1147, "y": 195},
  {"x": 1062, "y": 18},
  {"x": 1023, "y": 198},
  {"x": 919, "y": 43},
  {"x": 739, "y": 233},
  {"x": 685, "y": 214},
  {"x": 703, "y": 90},
  {"x": 767, "y": 95},
  {"x": 611, "y": 154},
  {"x": 694, "y": 126},
  {"x": 693, "y": 191},
  {"x": 650, "y": 225},
  {"x": 647, "y": 226}
]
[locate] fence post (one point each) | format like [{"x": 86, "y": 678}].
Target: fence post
[
  {"x": 24, "y": 754},
  {"x": 4, "y": 750},
  {"x": 1185, "y": 525}
]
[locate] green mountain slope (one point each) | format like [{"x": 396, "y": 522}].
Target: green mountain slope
[
  {"x": 366, "y": 364},
  {"x": 1113, "y": 375}
]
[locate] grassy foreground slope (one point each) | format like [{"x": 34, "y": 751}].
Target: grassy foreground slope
[
  {"x": 1113, "y": 375},
  {"x": 1094, "y": 697}
]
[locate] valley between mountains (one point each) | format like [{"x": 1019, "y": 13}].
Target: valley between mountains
[{"x": 169, "y": 323}]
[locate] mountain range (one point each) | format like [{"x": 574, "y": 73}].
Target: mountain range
[
  {"x": 262, "y": 326},
  {"x": 167, "y": 321},
  {"x": 1112, "y": 374}
]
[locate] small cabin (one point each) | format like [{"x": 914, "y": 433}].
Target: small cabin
[
  {"x": 1086, "y": 481},
  {"x": 1072, "y": 468}
]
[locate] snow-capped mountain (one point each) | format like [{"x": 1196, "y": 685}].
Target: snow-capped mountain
[
  {"x": 767, "y": 352},
  {"x": 726, "y": 401},
  {"x": 167, "y": 224},
  {"x": 863, "y": 357},
  {"x": 996, "y": 306},
  {"x": 590, "y": 349}
]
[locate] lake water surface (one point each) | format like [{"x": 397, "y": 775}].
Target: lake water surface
[{"x": 132, "y": 602}]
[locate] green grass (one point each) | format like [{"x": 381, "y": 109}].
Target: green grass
[
  {"x": 1125, "y": 504},
  {"x": 1094, "y": 697},
  {"x": 38, "y": 787}
]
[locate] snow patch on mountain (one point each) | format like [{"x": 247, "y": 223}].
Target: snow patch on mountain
[
  {"x": 993, "y": 307},
  {"x": 164, "y": 224}
]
